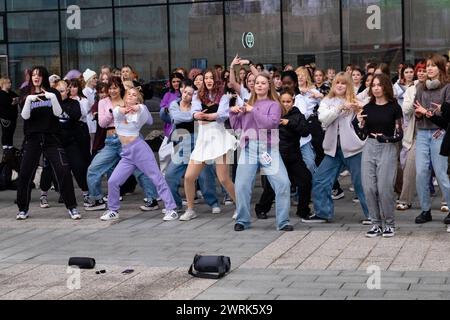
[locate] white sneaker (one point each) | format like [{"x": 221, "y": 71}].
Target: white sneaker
[
  {"x": 199, "y": 194},
  {"x": 216, "y": 210},
  {"x": 444, "y": 207},
  {"x": 109, "y": 215},
  {"x": 448, "y": 228},
  {"x": 22, "y": 215},
  {"x": 170, "y": 215},
  {"x": 345, "y": 173},
  {"x": 351, "y": 189},
  {"x": 234, "y": 215},
  {"x": 188, "y": 215},
  {"x": 74, "y": 214}
]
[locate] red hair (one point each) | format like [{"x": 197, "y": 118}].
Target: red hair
[{"x": 420, "y": 65}]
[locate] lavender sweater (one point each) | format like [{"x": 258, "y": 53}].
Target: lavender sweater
[
  {"x": 256, "y": 125},
  {"x": 168, "y": 98}
]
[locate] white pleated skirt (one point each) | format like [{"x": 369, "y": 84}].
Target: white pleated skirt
[{"x": 213, "y": 141}]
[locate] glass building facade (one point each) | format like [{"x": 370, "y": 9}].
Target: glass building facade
[{"x": 155, "y": 36}]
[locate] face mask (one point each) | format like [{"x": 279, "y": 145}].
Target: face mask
[{"x": 433, "y": 84}]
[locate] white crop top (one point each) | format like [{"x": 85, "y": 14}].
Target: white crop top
[{"x": 130, "y": 125}]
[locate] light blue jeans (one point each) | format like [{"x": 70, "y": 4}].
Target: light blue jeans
[
  {"x": 325, "y": 177},
  {"x": 207, "y": 179},
  {"x": 427, "y": 153},
  {"x": 309, "y": 157},
  {"x": 249, "y": 162},
  {"x": 106, "y": 160}
]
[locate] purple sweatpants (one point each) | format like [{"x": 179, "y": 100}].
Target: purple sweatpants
[{"x": 137, "y": 154}]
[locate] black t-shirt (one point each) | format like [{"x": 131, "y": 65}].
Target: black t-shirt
[{"x": 381, "y": 118}]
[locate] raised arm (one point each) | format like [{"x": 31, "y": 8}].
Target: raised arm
[{"x": 235, "y": 85}]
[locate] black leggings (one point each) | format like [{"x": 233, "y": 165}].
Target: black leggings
[
  {"x": 300, "y": 176},
  {"x": 48, "y": 144},
  {"x": 8, "y": 129}
]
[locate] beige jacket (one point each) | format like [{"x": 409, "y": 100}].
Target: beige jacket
[
  {"x": 332, "y": 118},
  {"x": 408, "y": 111}
]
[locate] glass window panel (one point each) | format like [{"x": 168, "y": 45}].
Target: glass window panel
[
  {"x": 23, "y": 56},
  {"x": 311, "y": 33},
  {"x": 362, "y": 43},
  {"x": 432, "y": 36},
  {"x": 14, "y": 5},
  {"x": 142, "y": 43},
  {"x": 33, "y": 26},
  {"x": 137, "y": 2},
  {"x": 196, "y": 35},
  {"x": 92, "y": 45},
  {"x": 253, "y": 31},
  {"x": 86, "y": 3},
  {"x": 2, "y": 28}
]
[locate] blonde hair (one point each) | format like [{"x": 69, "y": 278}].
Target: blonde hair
[
  {"x": 140, "y": 97},
  {"x": 272, "y": 94},
  {"x": 3, "y": 81},
  {"x": 343, "y": 77},
  {"x": 304, "y": 71}
]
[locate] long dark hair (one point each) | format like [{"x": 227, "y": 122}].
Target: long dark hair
[
  {"x": 291, "y": 74},
  {"x": 175, "y": 75},
  {"x": 77, "y": 84},
  {"x": 386, "y": 83},
  {"x": 43, "y": 73}
]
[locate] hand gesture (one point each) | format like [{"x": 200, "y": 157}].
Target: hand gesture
[
  {"x": 375, "y": 135},
  {"x": 199, "y": 116},
  {"x": 284, "y": 122},
  {"x": 248, "y": 108},
  {"x": 419, "y": 109},
  {"x": 48, "y": 95},
  {"x": 236, "y": 109},
  {"x": 244, "y": 62},
  {"x": 437, "y": 107},
  {"x": 361, "y": 117},
  {"x": 235, "y": 61}
]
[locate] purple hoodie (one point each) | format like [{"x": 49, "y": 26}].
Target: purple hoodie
[
  {"x": 168, "y": 98},
  {"x": 256, "y": 125}
]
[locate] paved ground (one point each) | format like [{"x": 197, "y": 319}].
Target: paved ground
[
  {"x": 327, "y": 261},
  {"x": 321, "y": 262}
]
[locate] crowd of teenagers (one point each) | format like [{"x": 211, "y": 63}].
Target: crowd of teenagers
[{"x": 301, "y": 128}]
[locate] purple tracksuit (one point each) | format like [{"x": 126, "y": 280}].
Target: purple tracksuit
[{"x": 136, "y": 154}]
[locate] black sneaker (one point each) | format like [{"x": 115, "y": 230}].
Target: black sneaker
[
  {"x": 96, "y": 206},
  {"x": 287, "y": 227},
  {"x": 239, "y": 227},
  {"x": 262, "y": 215},
  {"x": 337, "y": 194},
  {"x": 447, "y": 219},
  {"x": 388, "y": 232},
  {"x": 424, "y": 217},
  {"x": 374, "y": 232},
  {"x": 314, "y": 219},
  {"x": 150, "y": 205},
  {"x": 86, "y": 202}
]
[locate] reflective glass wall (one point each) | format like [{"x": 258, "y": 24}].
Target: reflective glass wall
[{"x": 156, "y": 36}]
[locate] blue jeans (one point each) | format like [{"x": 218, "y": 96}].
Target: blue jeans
[
  {"x": 249, "y": 162},
  {"x": 309, "y": 157},
  {"x": 104, "y": 162},
  {"x": 427, "y": 153},
  {"x": 177, "y": 168},
  {"x": 325, "y": 177}
]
